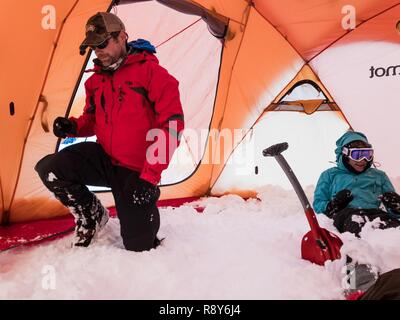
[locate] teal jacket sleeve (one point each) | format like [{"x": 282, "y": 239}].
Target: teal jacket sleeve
[
  {"x": 387, "y": 186},
  {"x": 322, "y": 193}
]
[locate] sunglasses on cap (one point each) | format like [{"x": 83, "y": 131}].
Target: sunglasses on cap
[
  {"x": 358, "y": 154},
  {"x": 102, "y": 45}
]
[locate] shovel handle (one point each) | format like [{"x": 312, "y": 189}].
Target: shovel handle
[
  {"x": 329, "y": 245},
  {"x": 276, "y": 149},
  {"x": 314, "y": 226}
]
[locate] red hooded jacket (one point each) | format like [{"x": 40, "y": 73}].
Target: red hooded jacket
[{"x": 122, "y": 107}]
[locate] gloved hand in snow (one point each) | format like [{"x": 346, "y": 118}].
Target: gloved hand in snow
[
  {"x": 145, "y": 193},
  {"x": 391, "y": 200},
  {"x": 339, "y": 202},
  {"x": 63, "y": 126}
]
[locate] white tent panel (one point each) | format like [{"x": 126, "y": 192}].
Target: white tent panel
[
  {"x": 363, "y": 78},
  {"x": 311, "y": 140}
]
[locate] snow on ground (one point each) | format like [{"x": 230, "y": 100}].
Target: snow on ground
[{"x": 235, "y": 249}]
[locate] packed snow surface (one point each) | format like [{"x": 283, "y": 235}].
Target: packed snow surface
[{"x": 235, "y": 249}]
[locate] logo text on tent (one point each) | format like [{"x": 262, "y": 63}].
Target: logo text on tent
[
  {"x": 49, "y": 20},
  {"x": 380, "y": 72}
]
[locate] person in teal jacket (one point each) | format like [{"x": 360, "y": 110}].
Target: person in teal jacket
[{"x": 352, "y": 193}]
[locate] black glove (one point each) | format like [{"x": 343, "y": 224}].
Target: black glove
[
  {"x": 63, "y": 126},
  {"x": 339, "y": 202},
  {"x": 391, "y": 200},
  {"x": 145, "y": 193}
]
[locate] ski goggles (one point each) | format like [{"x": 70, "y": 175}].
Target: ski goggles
[{"x": 358, "y": 154}]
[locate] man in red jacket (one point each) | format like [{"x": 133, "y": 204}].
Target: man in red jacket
[{"x": 130, "y": 101}]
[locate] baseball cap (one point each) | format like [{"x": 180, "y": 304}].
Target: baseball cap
[{"x": 99, "y": 27}]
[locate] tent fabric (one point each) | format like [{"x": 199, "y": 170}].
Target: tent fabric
[
  {"x": 346, "y": 70},
  {"x": 216, "y": 23},
  {"x": 247, "y": 169},
  {"x": 306, "y": 135},
  {"x": 264, "y": 52},
  {"x": 314, "y": 25},
  {"x": 63, "y": 67},
  {"x": 186, "y": 37},
  {"x": 35, "y": 232}
]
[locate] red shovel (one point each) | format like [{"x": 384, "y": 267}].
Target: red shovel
[{"x": 317, "y": 245}]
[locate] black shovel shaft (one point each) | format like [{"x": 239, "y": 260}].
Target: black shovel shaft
[
  {"x": 316, "y": 231},
  {"x": 275, "y": 151},
  {"x": 293, "y": 180}
]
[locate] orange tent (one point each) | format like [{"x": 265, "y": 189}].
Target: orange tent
[{"x": 239, "y": 62}]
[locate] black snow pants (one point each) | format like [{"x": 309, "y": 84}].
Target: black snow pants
[
  {"x": 67, "y": 173},
  {"x": 353, "y": 219}
]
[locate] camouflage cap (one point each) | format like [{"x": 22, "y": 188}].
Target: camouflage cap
[{"x": 99, "y": 27}]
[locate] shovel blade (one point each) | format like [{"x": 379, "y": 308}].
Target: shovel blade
[{"x": 318, "y": 250}]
